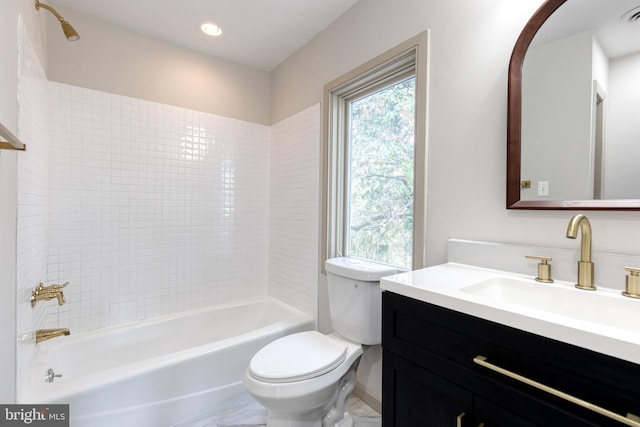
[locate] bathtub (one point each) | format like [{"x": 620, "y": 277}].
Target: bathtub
[{"x": 158, "y": 372}]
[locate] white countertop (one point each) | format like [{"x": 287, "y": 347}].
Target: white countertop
[{"x": 441, "y": 285}]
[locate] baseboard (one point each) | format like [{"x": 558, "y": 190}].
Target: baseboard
[{"x": 368, "y": 397}]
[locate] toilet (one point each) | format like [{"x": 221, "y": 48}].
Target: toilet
[{"x": 305, "y": 379}]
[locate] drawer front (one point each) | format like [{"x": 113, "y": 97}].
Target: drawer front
[{"x": 419, "y": 331}]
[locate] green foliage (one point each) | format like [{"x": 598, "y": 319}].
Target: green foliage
[{"x": 381, "y": 175}]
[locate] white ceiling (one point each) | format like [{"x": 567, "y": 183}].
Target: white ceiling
[{"x": 257, "y": 33}]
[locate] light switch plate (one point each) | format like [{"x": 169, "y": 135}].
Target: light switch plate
[{"x": 543, "y": 188}]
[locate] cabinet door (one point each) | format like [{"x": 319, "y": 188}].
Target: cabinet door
[
  {"x": 415, "y": 397},
  {"x": 491, "y": 414}
]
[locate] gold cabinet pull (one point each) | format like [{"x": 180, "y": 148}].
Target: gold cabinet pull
[
  {"x": 459, "y": 420},
  {"x": 482, "y": 361}
]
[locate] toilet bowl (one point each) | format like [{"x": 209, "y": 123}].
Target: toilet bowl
[
  {"x": 302, "y": 395},
  {"x": 305, "y": 379}
]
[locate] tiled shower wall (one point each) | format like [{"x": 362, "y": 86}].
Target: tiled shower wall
[
  {"x": 32, "y": 192},
  {"x": 294, "y": 209},
  {"x": 153, "y": 209}
]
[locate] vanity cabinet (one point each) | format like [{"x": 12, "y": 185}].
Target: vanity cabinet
[{"x": 430, "y": 377}]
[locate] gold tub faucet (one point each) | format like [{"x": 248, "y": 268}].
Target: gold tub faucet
[
  {"x": 47, "y": 334},
  {"x": 45, "y": 293},
  {"x": 585, "y": 266}
]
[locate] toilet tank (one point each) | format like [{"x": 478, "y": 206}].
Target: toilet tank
[{"x": 355, "y": 298}]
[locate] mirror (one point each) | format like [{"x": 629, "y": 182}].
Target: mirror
[{"x": 573, "y": 136}]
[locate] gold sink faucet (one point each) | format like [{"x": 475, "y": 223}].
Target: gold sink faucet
[
  {"x": 585, "y": 266},
  {"x": 45, "y": 293},
  {"x": 47, "y": 334}
]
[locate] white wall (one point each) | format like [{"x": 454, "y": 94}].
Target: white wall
[
  {"x": 115, "y": 60},
  {"x": 153, "y": 209},
  {"x": 8, "y": 183},
  {"x": 294, "y": 208},
  {"x": 471, "y": 43},
  {"x": 8, "y": 179},
  {"x": 33, "y": 193},
  {"x": 556, "y": 118},
  {"x": 600, "y": 65},
  {"x": 622, "y": 151}
]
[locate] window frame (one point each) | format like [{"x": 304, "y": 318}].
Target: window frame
[{"x": 408, "y": 58}]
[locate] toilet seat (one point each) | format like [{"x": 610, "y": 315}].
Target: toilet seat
[{"x": 297, "y": 357}]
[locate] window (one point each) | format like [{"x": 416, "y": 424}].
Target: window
[
  {"x": 379, "y": 208},
  {"x": 374, "y": 159}
]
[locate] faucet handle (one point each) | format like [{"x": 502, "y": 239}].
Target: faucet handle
[
  {"x": 50, "y": 288},
  {"x": 632, "y": 282},
  {"x": 47, "y": 293},
  {"x": 544, "y": 268}
]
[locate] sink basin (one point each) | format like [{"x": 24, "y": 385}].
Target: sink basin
[{"x": 603, "y": 307}]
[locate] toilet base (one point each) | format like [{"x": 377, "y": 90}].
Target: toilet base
[{"x": 336, "y": 415}]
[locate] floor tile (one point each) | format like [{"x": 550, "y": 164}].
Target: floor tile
[{"x": 244, "y": 411}]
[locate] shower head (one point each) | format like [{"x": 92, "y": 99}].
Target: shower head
[{"x": 70, "y": 33}]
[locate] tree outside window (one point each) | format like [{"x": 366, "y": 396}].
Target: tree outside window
[{"x": 381, "y": 175}]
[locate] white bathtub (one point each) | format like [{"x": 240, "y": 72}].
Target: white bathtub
[{"x": 158, "y": 372}]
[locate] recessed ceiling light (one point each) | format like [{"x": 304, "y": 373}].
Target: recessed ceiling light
[{"x": 211, "y": 29}]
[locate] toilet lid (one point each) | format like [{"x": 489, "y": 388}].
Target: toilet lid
[{"x": 297, "y": 357}]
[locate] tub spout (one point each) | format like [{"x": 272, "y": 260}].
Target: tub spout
[{"x": 46, "y": 334}]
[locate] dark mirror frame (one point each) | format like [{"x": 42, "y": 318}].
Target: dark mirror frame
[{"x": 514, "y": 135}]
